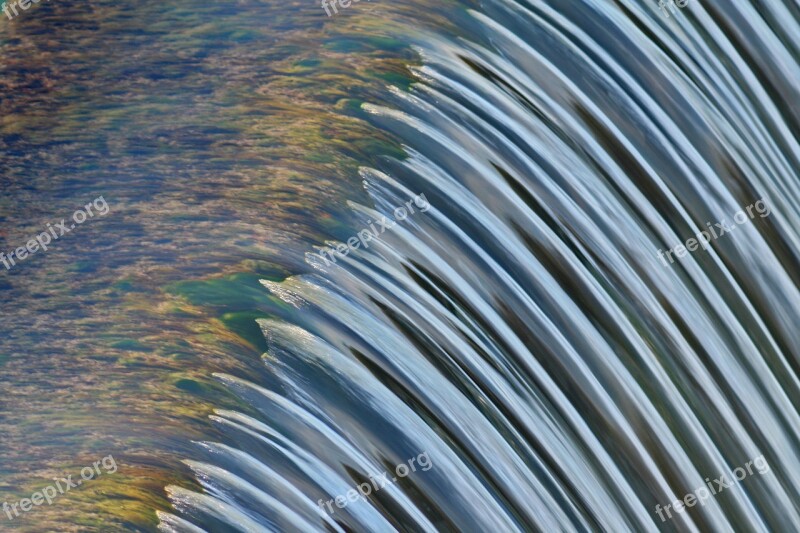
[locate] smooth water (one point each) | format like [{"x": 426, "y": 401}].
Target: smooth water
[{"x": 523, "y": 332}]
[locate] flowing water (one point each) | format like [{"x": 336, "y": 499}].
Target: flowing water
[
  {"x": 523, "y": 331},
  {"x": 520, "y": 328}
]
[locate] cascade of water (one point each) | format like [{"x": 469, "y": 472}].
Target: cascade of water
[{"x": 523, "y": 333}]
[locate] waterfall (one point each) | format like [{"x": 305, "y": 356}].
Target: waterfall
[{"x": 523, "y": 332}]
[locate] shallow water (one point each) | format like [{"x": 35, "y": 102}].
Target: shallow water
[
  {"x": 523, "y": 332},
  {"x": 212, "y": 134}
]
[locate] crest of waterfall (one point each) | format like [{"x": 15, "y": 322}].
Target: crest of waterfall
[{"x": 523, "y": 332}]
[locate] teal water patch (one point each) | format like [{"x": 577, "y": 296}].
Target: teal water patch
[
  {"x": 241, "y": 290},
  {"x": 238, "y": 300},
  {"x": 243, "y": 323}
]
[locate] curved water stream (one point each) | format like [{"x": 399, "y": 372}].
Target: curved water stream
[{"x": 523, "y": 332}]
